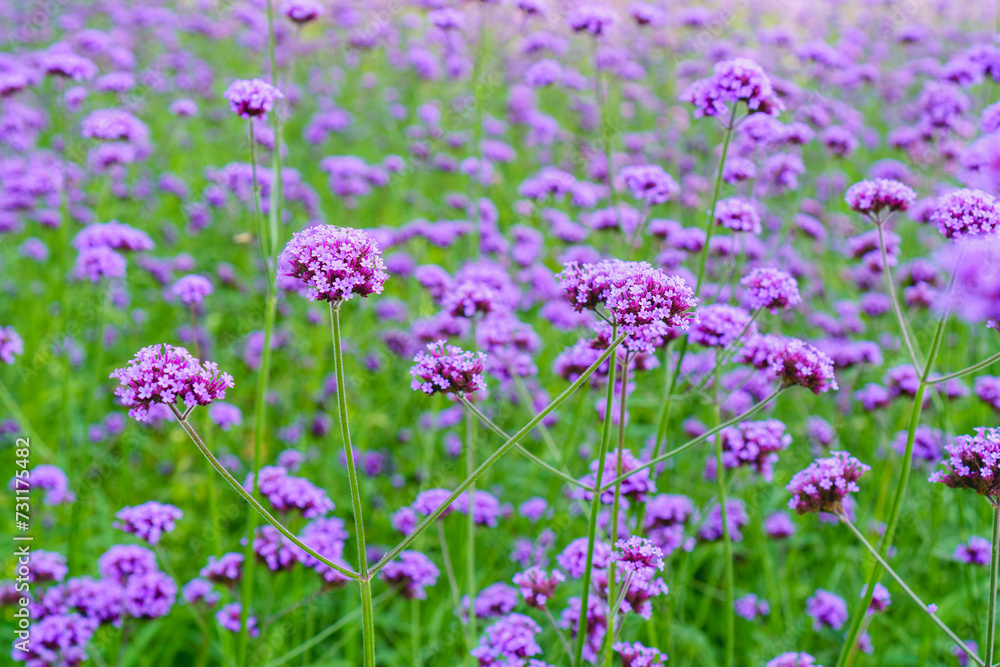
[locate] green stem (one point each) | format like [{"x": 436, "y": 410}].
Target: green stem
[
  {"x": 495, "y": 456},
  {"x": 367, "y": 616},
  {"x": 470, "y": 541},
  {"x": 891, "y": 287},
  {"x": 991, "y": 617},
  {"x": 609, "y": 637},
  {"x": 710, "y": 221},
  {"x": 189, "y": 429},
  {"x": 595, "y": 506},
  {"x": 902, "y": 584}
]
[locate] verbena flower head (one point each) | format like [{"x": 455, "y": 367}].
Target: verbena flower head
[
  {"x": 881, "y": 598},
  {"x": 823, "y": 486},
  {"x": 976, "y": 552},
  {"x": 649, "y": 183},
  {"x": 447, "y": 369},
  {"x": 494, "y": 601},
  {"x": 57, "y": 639},
  {"x": 10, "y": 344},
  {"x": 536, "y": 586},
  {"x": 749, "y": 607},
  {"x": 335, "y": 263},
  {"x": 827, "y": 610},
  {"x": 149, "y": 595},
  {"x": 753, "y": 444},
  {"x": 95, "y": 264},
  {"x": 593, "y": 18},
  {"x": 878, "y": 195},
  {"x": 226, "y": 569},
  {"x": 637, "y": 655},
  {"x": 791, "y": 659},
  {"x": 733, "y": 81},
  {"x": 738, "y": 214},
  {"x": 966, "y": 213},
  {"x": 251, "y": 98},
  {"x": 413, "y": 572},
  {"x": 637, "y": 554},
  {"x": 149, "y": 520},
  {"x": 192, "y": 289},
  {"x": 114, "y": 235},
  {"x": 720, "y": 324},
  {"x": 973, "y": 462},
  {"x": 301, "y": 11},
  {"x": 50, "y": 479},
  {"x": 200, "y": 590},
  {"x": 773, "y": 289},
  {"x": 47, "y": 566},
  {"x": 790, "y": 360},
  {"x": 123, "y": 561},
  {"x": 167, "y": 375},
  {"x": 288, "y": 493},
  {"x": 229, "y": 618},
  {"x": 511, "y": 640}
]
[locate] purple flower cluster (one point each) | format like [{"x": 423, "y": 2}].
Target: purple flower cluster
[
  {"x": 750, "y": 607},
  {"x": 148, "y": 521},
  {"x": 753, "y": 444},
  {"x": 10, "y": 344},
  {"x": 773, "y": 289},
  {"x": 536, "y": 586},
  {"x": 823, "y": 485},
  {"x": 251, "y": 98},
  {"x": 973, "y": 462},
  {"x": 649, "y": 183},
  {"x": 511, "y": 640},
  {"x": 720, "y": 324},
  {"x": 288, "y": 493},
  {"x": 827, "y": 610},
  {"x": 881, "y": 194},
  {"x": 975, "y": 552},
  {"x": 790, "y": 360},
  {"x": 965, "y": 213},
  {"x": 167, "y": 376},
  {"x": 191, "y": 289},
  {"x": 738, "y": 214},
  {"x": 335, "y": 263},
  {"x": 447, "y": 369},
  {"x": 413, "y": 572},
  {"x": 734, "y": 81}
]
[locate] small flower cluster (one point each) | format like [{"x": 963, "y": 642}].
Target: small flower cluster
[
  {"x": 335, "y": 263},
  {"x": 447, "y": 369},
  {"x": 413, "y": 572},
  {"x": 720, "y": 324},
  {"x": 252, "y": 98},
  {"x": 965, "y": 213},
  {"x": 772, "y": 289},
  {"x": 734, "y": 81},
  {"x": 823, "y": 486},
  {"x": 790, "y": 360},
  {"x": 752, "y": 444},
  {"x": 165, "y": 375},
  {"x": 148, "y": 521},
  {"x": 536, "y": 586},
  {"x": 10, "y": 344},
  {"x": 288, "y": 493},
  {"x": 738, "y": 214},
  {"x": 881, "y": 194},
  {"x": 973, "y": 463}
]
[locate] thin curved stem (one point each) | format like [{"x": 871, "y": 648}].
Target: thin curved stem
[
  {"x": 902, "y": 584},
  {"x": 495, "y": 456},
  {"x": 991, "y": 616},
  {"x": 595, "y": 504},
  {"x": 189, "y": 429},
  {"x": 720, "y": 478},
  {"x": 367, "y": 615},
  {"x": 891, "y": 287},
  {"x": 609, "y": 637},
  {"x": 966, "y": 371}
]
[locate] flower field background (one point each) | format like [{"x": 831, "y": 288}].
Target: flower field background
[{"x": 519, "y": 333}]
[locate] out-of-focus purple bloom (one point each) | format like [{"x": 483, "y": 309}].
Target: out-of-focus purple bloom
[
  {"x": 226, "y": 569},
  {"x": 335, "y": 263},
  {"x": 511, "y": 640},
  {"x": 738, "y": 214},
  {"x": 736, "y": 518},
  {"x": 252, "y": 98},
  {"x": 149, "y": 520},
  {"x": 750, "y": 607},
  {"x": 191, "y": 289},
  {"x": 149, "y": 595},
  {"x": 447, "y": 369},
  {"x": 873, "y": 197},
  {"x": 413, "y": 572},
  {"x": 226, "y": 415},
  {"x": 976, "y": 552},
  {"x": 791, "y": 659},
  {"x": 881, "y": 599},
  {"x": 720, "y": 324},
  {"x": 779, "y": 526},
  {"x": 593, "y": 18},
  {"x": 823, "y": 485},
  {"x": 229, "y": 618},
  {"x": 495, "y": 600},
  {"x": 200, "y": 590},
  {"x": 123, "y": 561},
  {"x": 536, "y": 586},
  {"x": 973, "y": 462},
  {"x": 773, "y": 289},
  {"x": 287, "y": 493},
  {"x": 827, "y": 610},
  {"x": 10, "y": 344}
]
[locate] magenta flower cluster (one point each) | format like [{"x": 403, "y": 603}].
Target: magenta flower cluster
[
  {"x": 252, "y": 98},
  {"x": 772, "y": 289},
  {"x": 168, "y": 375},
  {"x": 734, "y": 81},
  {"x": 881, "y": 194},
  {"x": 790, "y": 360},
  {"x": 148, "y": 521},
  {"x": 823, "y": 486},
  {"x": 447, "y": 369},
  {"x": 335, "y": 263},
  {"x": 973, "y": 462}
]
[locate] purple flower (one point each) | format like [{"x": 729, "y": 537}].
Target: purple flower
[
  {"x": 649, "y": 183},
  {"x": 637, "y": 554},
  {"x": 226, "y": 415},
  {"x": 229, "y": 618},
  {"x": 736, "y": 518},
  {"x": 225, "y": 569},
  {"x": 58, "y": 639},
  {"x": 335, "y": 263},
  {"x": 637, "y": 655},
  {"x": 114, "y": 235},
  {"x": 573, "y": 558},
  {"x": 326, "y": 536},
  {"x": 413, "y": 572},
  {"x": 593, "y": 18},
  {"x": 67, "y": 64},
  {"x": 447, "y": 369},
  {"x": 881, "y": 599},
  {"x": 779, "y": 526},
  {"x": 149, "y": 595},
  {"x": 975, "y": 552},
  {"x": 873, "y": 197},
  {"x": 750, "y": 607},
  {"x": 155, "y": 377},
  {"x": 720, "y": 324},
  {"x": 962, "y": 656},
  {"x": 827, "y": 610},
  {"x": 47, "y": 566},
  {"x": 50, "y": 479},
  {"x": 738, "y": 214},
  {"x": 148, "y": 521},
  {"x": 10, "y": 344},
  {"x": 790, "y": 360},
  {"x": 93, "y": 264},
  {"x": 823, "y": 486},
  {"x": 251, "y": 98},
  {"x": 123, "y": 561},
  {"x": 773, "y": 289},
  {"x": 791, "y": 659},
  {"x": 973, "y": 463},
  {"x": 115, "y": 125},
  {"x": 533, "y": 509},
  {"x": 495, "y": 600},
  {"x": 301, "y": 11},
  {"x": 733, "y": 81},
  {"x": 191, "y": 289},
  {"x": 287, "y": 493},
  {"x": 536, "y": 586},
  {"x": 966, "y": 213},
  {"x": 510, "y": 640},
  {"x": 200, "y": 590}
]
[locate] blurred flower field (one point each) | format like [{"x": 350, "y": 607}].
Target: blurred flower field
[{"x": 501, "y": 333}]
